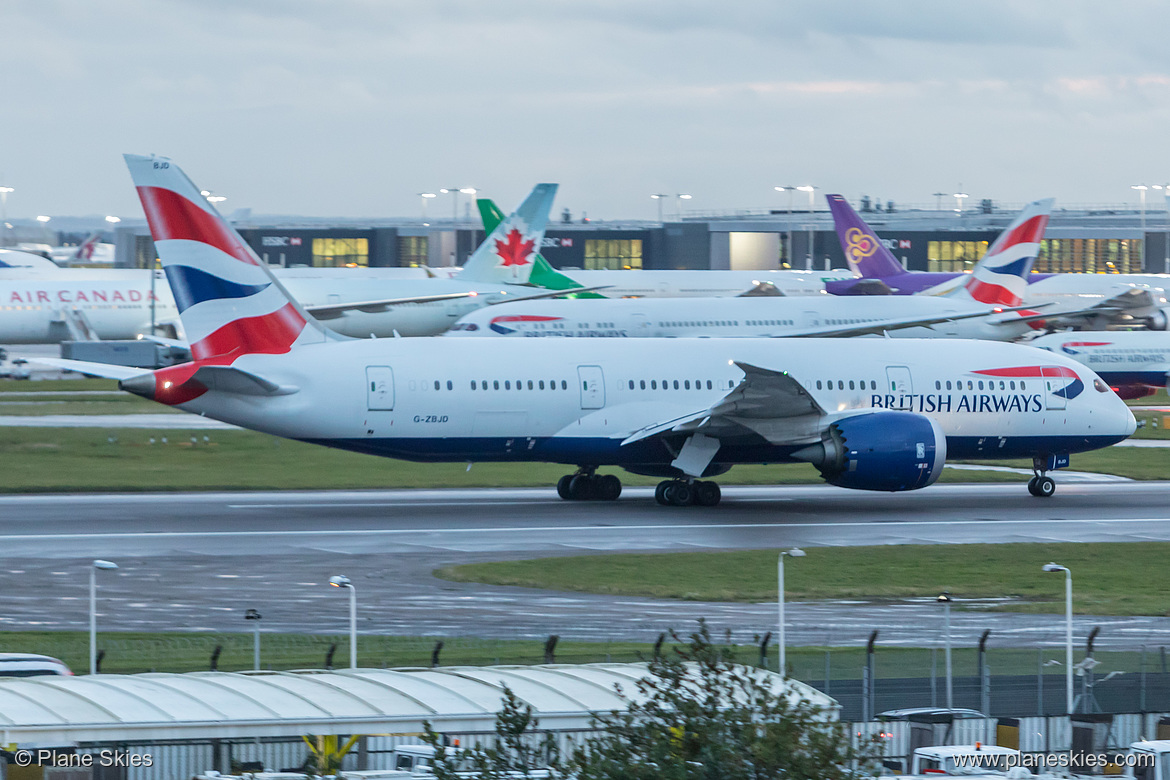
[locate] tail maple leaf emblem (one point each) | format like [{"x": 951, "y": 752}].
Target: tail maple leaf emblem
[{"x": 515, "y": 250}]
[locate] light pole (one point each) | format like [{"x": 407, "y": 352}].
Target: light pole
[
  {"x": 4, "y": 212},
  {"x": 791, "y": 191},
  {"x": 93, "y": 569},
  {"x": 1165, "y": 188},
  {"x": 938, "y": 196},
  {"x": 959, "y": 198},
  {"x": 681, "y": 197},
  {"x": 1141, "y": 188},
  {"x": 341, "y": 581},
  {"x": 659, "y": 196},
  {"x": 811, "y": 190},
  {"x": 254, "y": 616},
  {"x": 795, "y": 552},
  {"x": 454, "y": 193},
  {"x": 424, "y": 197},
  {"x": 1052, "y": 568},
  {"x": 944, "y": 598},
  {"x": 212, "y": 198}
]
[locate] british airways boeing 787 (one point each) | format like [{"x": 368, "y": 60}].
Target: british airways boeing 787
[{"x": 872, "y": 415}]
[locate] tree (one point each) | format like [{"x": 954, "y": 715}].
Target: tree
[{"x": 697, "y": 715}]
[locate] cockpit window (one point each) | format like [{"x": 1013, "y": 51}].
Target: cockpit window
[{"x": 1100, "y": 386}]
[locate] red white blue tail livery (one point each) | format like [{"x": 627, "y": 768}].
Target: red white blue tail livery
[{"x": 1001, "y": 276}]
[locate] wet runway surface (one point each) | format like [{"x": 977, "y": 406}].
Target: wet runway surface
[{"x": 197, "y": 561}]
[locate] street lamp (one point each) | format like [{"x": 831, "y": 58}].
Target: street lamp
[
  {"x": 212, "y": 197},
  {"x": 43, "y": 219},
  {"x": 254, "y": 616},
  {"x": 425, "y": 196},
  {"x": 795, "y": 552},
  {"x": 811, "y": 190},
  {"x": 93, "y": 569},
  {"x": 341, "y": 581},
  {"x": 1165, "y": 188},
  {"x": 959, "y": 198},
  {"x": 1052, "y": 568},
  {"x": 1141, "y": 188},
  {"x": 113, "y": 220},
  {"x": 658, "y": 196},
  {"x": 791, "y": 190},
  {"x": 944, "y": 598},
  {"x": 681, "y": 198}
]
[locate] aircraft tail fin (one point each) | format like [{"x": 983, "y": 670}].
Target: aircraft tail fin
[
  {"x": 1001, "y": 276},
  {"x": 506, "y": 255},
  {"x": 542, "y": 275},
  {"x": 84, "y": 251},
  {"x": 866, "y": 254},
  {"x": 228, "y": 300}
]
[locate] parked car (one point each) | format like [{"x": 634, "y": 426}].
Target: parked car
[{"x": 30, "y": 665}]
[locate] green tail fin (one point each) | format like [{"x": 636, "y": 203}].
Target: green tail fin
[{"x": 543, "y": 275}]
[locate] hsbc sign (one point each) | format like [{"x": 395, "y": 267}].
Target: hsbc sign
[
  {"x": 280, "y": 241},
  {"x": 555, "y": 243}
]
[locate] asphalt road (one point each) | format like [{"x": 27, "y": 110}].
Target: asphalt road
[{"x": 197, "y": 561}]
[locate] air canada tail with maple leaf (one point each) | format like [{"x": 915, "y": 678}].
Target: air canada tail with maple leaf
[{"x": 507, "y": 255}]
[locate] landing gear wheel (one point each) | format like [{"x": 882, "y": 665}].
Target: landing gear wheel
[
  {"x": 660, "y": 493},
  {"x": 1042, "y": 486},
  {"x": 608, "y": 488},
  {"x": 581, "y": 487},
  {"x": 707, "y": 493},
  {"x": 680, "y": 494},
  {"x": 563, "y": 487}
]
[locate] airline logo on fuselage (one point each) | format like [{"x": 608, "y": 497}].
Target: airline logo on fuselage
[
  {"x": 27, "y": 297},
  {"x": 1064, "y": 383}
]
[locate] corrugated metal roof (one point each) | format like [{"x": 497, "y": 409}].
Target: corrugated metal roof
[{"x": 223, "y": 705}]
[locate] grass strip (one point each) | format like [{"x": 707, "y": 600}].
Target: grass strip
[{"x": 1109, "y": 579}]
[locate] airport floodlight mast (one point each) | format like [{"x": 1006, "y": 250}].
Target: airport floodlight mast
[
  {"x": 791, "y": 190},
  {"x": 93, "y": 570},
  {"x": 212, "y": 198},
  {"x": 341, "y": 581},
  {"x": 795, "y": 552},
  {"x": 454, "y": 193},
  {"x": 960, "y": 196},
  {"x": 1141, "y": 188},
  {"x": 944, "y": 598},
  {"x": 424, "y": 197},
  {"x": 1052, "y": 568},
  {"x": 113, "y": 220},
  {"x": 4, "y": 213},
  {"x": 659, "y": 196},
  {"x": 681, "y": 197},
  {"x": 811, "y": 190},
  {"x": 43, "y": 219},
  {"x": 938, "y": 196}
]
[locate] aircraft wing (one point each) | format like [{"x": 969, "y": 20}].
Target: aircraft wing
[
  {"x": 550, "y": 294},
  {"x": 881, "y": 326},
  {"x": 107, "y": 370},
  {"x": 768, "y": 403},
  {"x": 334, "y": 310}
]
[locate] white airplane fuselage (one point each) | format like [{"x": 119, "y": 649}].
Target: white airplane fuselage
[
  {"x": 1129, "y": 361},
  {"x": 732, "y": 317},
  {"x": 702, "y": 284},
  {"x": 541, "y": 400}
]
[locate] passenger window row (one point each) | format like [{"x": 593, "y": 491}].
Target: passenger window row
[
  {"x": 496, "y": 384},
  {"x": 787, "y": 323},
  {"x": 841, "y": 384},
  {"x": 700, "y": 324},
  {"x": 1008, "y": 385},
  {"x": 675, "y": 384}
]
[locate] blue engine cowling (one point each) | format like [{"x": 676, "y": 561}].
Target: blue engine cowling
[{"x": 880, "y": 451}]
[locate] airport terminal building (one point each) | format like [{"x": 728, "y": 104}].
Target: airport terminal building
[{"x": 1077, "y": 241}]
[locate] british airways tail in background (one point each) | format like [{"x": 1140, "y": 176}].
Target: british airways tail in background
[{"x": 1001, "y": 276}]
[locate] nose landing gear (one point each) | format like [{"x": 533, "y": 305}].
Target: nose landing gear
[
  {"x": 1042, "y": 486},
  {"x": 678, "y": 492},
  {"x": 585, "y": 485}
]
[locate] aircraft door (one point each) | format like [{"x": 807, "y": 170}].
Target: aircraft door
[
  {"x": 899, "y": 379},
  {"x": 379, "y": 388},
  {"x": 641, "y": 326},
  {"x": 592, "y": 387},
  {"x": 1054, "y": 382}
]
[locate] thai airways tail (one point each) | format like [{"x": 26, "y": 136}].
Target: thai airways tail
[
  {"x": 866, "y": 254},
  {"x": 230, "y": 303},
  {"x": 507, "y": 254},
  {"x": 1001, "y": 276}
]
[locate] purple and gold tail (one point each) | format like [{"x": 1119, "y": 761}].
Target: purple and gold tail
[{"x": 866, "y": 254}]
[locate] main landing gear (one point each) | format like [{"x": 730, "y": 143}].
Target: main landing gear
[
  {"x": 587, "y": 486},
  {"x": 678, "y": 492}
]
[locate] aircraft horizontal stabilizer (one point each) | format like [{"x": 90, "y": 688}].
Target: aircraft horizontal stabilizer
[
  {"x": 880, "y": 326},
  {"x": 333, "y": 310},
  {"x": 550, "y": 294},
  {"x": 227, "y": 379},
  {"x": 106, "y": 370}
]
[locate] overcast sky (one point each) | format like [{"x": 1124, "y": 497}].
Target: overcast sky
[{"x": 352, "y": 107}]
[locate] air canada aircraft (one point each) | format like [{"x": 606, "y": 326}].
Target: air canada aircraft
[
  {"x": 870, "y": 415},
  {"x": 980, "y": 308}
]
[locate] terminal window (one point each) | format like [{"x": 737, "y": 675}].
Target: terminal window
[
  {"x": 1089, "y": 256},
  {"x": 943, "y": 256},
  {"x": 613, "y": 253},
  {"x": 340, "y": 252},
  {"x": 412, "y": 251}
]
